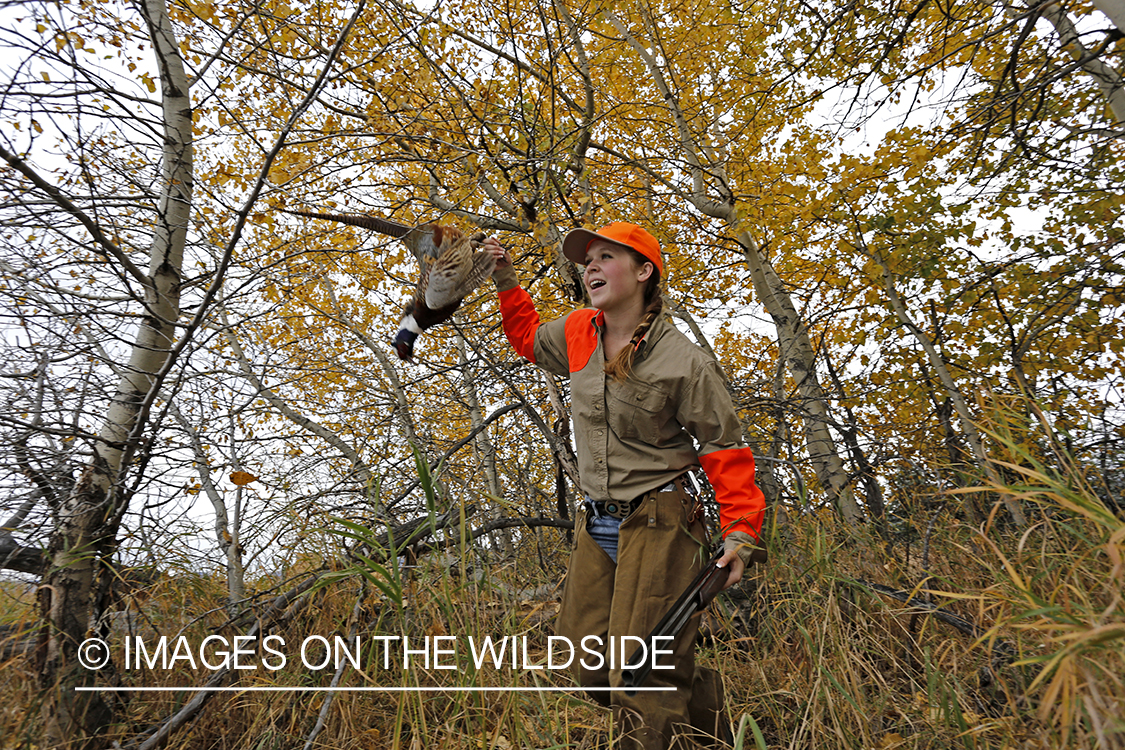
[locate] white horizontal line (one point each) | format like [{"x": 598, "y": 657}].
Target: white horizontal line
[{"x": 366, "y": 689}]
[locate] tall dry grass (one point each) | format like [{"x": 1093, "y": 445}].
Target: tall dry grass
[
  {"x": 996, "y": 638},
  {"x": 1007, "y": 638}
]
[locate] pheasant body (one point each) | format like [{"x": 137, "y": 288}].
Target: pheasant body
[{"x": 451, "y": 269}]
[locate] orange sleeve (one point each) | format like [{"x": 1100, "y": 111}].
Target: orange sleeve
[
  {"x": 521, "y": 321},
  {"x": 741, "y": 503}
]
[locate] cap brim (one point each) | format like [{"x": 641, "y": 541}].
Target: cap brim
[{"x": 577, "y": 241}]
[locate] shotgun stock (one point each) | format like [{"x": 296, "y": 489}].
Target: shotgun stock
[{"x": 695, "y": 598}]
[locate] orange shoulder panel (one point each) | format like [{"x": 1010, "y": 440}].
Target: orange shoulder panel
[{"x": 581, "y": 338}]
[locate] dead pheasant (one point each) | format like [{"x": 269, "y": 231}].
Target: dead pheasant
[{"x": 451, "y": 269}]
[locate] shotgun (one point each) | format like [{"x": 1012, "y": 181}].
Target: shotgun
[{"x": 695, "y": 598}]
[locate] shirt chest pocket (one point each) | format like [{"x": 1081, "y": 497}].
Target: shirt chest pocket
[{"x": 638, "y": 413}]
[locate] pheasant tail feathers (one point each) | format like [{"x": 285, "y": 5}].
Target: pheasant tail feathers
[{"x": 374, "y": 223}]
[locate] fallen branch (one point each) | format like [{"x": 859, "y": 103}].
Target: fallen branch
[
  {"x": 287, "y": 605},
  {"x": 282, "y": 609},
  {"x": 522, "y": 522},
  {"x": 14, "y": 556},
  {"x": 1002, "y": 652}
]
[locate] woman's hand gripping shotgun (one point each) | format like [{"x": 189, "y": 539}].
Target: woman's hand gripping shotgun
[{"x": 695, "y": 598}]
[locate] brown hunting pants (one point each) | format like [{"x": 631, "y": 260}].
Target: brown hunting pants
[{"x": 659, "y": 551}]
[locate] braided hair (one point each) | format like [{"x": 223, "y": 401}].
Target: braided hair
[{"x": 621, "y": 366}]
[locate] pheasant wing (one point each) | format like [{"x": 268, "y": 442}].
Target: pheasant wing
[
  {"x": 423, "y": 282},
  {"x": 483, "y": 266},
  {"x": 447, "y": 275}
]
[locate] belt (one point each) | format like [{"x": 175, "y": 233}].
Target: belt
[{"x": 622, "y": 508}]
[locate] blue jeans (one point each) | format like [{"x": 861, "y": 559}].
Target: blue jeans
[{"x": 605, "y": 530}]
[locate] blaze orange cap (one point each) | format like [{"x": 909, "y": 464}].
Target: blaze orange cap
[{"x": 577, "y": 242}]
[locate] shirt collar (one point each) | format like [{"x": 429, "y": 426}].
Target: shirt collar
[{"x": 652, "y": 335}]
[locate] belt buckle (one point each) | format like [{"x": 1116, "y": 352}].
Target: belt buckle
[{"x": 617, "y": 509}]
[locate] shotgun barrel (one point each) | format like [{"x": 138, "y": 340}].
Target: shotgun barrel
[{"x": 699, "y": 593}]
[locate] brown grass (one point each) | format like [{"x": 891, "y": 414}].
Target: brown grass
[{"x": 814, "y": 656}]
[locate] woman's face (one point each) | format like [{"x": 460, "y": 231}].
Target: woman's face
[{"x": 613, "y": 280}]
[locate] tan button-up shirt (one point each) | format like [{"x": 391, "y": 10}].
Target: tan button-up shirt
[
  {"x": 672, "y": 414},
  {"x": 635, "y": 436}
]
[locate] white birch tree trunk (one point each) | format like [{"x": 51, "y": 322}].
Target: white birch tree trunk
[
  {"x": 796, "y": 348},
  {"x": 88, "y": 518},
  {"x": 1114, "y": 11},
  {"x": 228, "y": 526},
  {"x": 965, "y": 418},
  {"x": 1109, "y": 80},
  {"x": 486, "y": 451}
]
